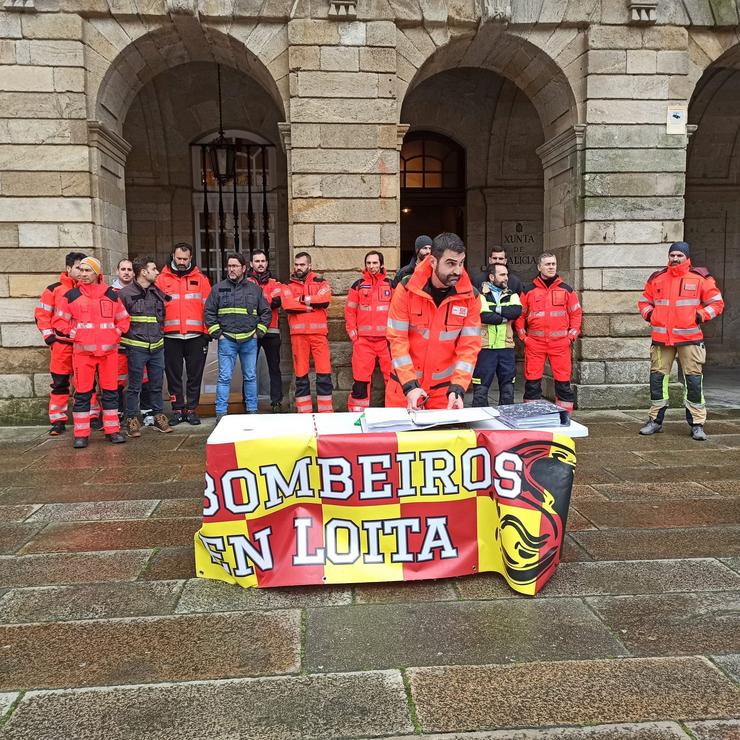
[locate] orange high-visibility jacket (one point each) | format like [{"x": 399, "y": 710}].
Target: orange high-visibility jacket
[
  {"x": 44, "y": 311},
  {"x": 676, "y": 300},
  {"x": 305, "y": 302},
  {"x": 272, "y": 290},
  {"x": 366, "y": 309},
  {"x": 96, "y": 317},
  {"x": 183, "y": 314},
  {"x": 433, "y": 347},
  {"x": 551, "y": 313}
]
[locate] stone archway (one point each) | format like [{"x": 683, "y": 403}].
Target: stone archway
[
  {"x": 141, "y": 124},
  {"x": 508, "y": 101},
  {"x": 712, "y": 223}
]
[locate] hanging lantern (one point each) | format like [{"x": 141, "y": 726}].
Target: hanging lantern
[{"x": 221, "y": 152}]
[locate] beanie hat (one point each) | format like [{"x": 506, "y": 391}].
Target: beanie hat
[
  {"x": 93, "y": 263},
  {"x": 679, "y": 247},
  {"x": 421, "y": 242}
]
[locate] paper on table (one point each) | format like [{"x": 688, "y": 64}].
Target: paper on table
[{"x": 400, "y": 420}]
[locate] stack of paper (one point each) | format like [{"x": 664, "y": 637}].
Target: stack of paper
[
  {"x": 403, "y": 420},
  {"x": 533, "y": 415}
]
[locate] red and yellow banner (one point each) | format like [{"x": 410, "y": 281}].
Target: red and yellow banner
[{"x": 355, "y": 508}]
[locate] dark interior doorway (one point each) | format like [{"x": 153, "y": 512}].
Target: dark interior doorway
[{"x": 432, "y": 188}]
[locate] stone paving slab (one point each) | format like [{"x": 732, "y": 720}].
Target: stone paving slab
[
  {"x": 6, "y": 702},
  {"x": 119, "y": 535},
  {"x": 703, "y": 473},
  {"x": 89, "y": 601},
  {"x": 585, "y": 493},
  {"x": 169, "y": 563},
  {"x": 724, "y": 487},
  {"x": 397, "y": 593},
  {"x": 653, "y": 491},
  {"x": 349, "y": 705},
  {"x": 616, "y": 577},
  {"x": 637, "y": 731},
  {"x": 200, "y": 595},
  {"x": 459, "y": 698},
  {"x": 636, "y": 544},
  {"x": 179, "y": 507},
  {"x": 14, "y": 535},
  {"x": 16, "y": 513},
  {"x": 733, "y": 563},
  {"x": 149, "y": 649},
  {"x": 67, "y": 568},
  {"x": 50, "y": 477},
  {"x": 715, "y": 730},
  {"x": 679, "y": 458},
  {"x": 97, "y": 490},
  {"x": 730, "y": 664},
  {"x": 660, "y": 514},
  {"x": 95, "y": 511},
  {"x": 375, "y": 636},
  {"x": 675, "y": 624}
]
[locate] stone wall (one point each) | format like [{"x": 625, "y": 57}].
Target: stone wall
[{"x": 609, "y": 193}]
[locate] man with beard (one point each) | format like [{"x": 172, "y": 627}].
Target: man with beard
[
  {"x": 549, "y": 324},
  {"x": 497, "y": 256},
  {"x": 306, "y": 298},
  {"x": 185, "y": 334},
  {"x": 144, "y": 343},
  {"x": 270, "y": 342},
  {"x": 676, "y": 301},
  {"x": 237, "y": 315},
  {"x": 124, "y": 277},
  {"x": 434, "y": 331},
  {"x": 366, "y": 320},
  {"x": 95, "y": 318},
  {"x": 422, "y": 247},
  {"x": 500, "y": 307}
]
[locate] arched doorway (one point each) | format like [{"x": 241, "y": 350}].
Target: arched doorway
[
  {"x": 432, "y": 173},
  {"x": 712, "y": 217},
  {"x": 498, "y": 196}
]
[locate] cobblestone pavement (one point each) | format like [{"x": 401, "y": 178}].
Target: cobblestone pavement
[{"x": 104, "y": 632}]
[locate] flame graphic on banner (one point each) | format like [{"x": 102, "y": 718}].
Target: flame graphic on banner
[{"x": 528, "y": 555}]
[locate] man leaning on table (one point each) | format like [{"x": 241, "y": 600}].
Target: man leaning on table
[{"x": 434, "y": 331}]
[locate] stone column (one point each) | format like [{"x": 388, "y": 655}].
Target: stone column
[
  {"x": 343, "y": 168},
  {"x": 45, "y": 207},
  {"x": 108, "y": 152},
  {"x": 634, "y": 178}
]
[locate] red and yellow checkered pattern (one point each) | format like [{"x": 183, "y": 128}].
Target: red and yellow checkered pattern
[{"x": 420, "y": 505}]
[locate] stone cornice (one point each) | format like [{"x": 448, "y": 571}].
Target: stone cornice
[
  {"x": 108, "y": 142},
  {"x": 402, "y": 130},
  {"x": 562, "y": 145}
]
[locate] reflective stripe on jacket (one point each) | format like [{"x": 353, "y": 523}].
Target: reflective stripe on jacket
[
  {"x": 188, "y": 293},
  {"x": 44, "y": 313},
  {"x": 96, "y": 316},
  {"x": 366, "y": 309},
  {"x": 305, "y": 302},
  {"x": 433, "y": 346},
  {"x": 549, "y": 313},
  {"x": 146, "y": 308},
  {"x": 237, "y": 310},
  {"x": 272, "y": 290},
  {"x": 673, "y": 298},
  {"x": 498, "y": 311}
]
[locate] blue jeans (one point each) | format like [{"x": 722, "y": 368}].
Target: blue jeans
[
  {"x": 228, "y": 349},
  {"x": 154, "y": 363}
]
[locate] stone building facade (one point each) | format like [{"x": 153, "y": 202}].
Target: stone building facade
[{"x": 533, "y": 123}]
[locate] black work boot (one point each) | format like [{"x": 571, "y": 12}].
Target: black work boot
[
  {"x": 57, "y": 428},
  {"x": 80, "y": 443},
  {"x": 116, "y": 438}
]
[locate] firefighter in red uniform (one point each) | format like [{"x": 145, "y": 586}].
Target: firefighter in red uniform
[
  {"x": 60, "y": 365},
  {"x": 270, "y": 342},
  {"x": 96, "y": 319},
  {"x": 434, "y": 331},
  {"x": 366, "y": 320},
  {"x": 185, "y": 335},
  {"x": 549, "y": 324},
  {"x": 306, "y": 297},
  {"x": 676, "y": 301}
]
